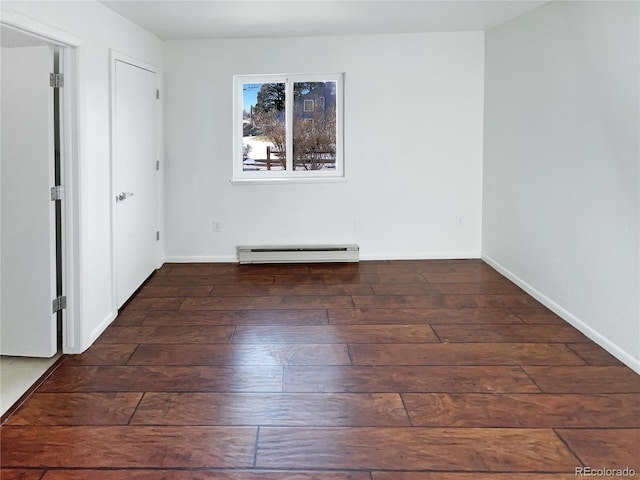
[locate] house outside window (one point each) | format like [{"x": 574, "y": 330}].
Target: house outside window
[{"x": 288, "y": 127}]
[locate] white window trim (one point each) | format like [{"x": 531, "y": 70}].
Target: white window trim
[{"x": 289, "y": 175}]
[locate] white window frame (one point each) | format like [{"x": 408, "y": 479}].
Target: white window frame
[{"x": 288, "y": 175}]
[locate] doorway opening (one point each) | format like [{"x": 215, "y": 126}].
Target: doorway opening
[{"x": 36, "y": 244}]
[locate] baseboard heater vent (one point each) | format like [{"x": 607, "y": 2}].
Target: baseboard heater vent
[{"x": 298, "y": 253}]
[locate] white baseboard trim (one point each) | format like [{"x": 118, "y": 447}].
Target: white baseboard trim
[
  {"x": 373, "y": 256},
  {"x": 597, "y": 337},
  {"x": 201, "y": 259},
  {"x": 96, "y": 332},
  {"x": 420, "y": 256}
]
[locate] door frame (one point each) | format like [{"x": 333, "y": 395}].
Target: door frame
[
  {"x": 69, "y": 46},
  {"x": 115, "y": 56}
]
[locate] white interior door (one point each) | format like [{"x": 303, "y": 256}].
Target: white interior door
[
  {"x": 27, "y": 237},
  {"x": 135, "y": 155}
]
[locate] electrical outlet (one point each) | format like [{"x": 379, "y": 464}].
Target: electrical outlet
[{"x": 216, "y": 226}]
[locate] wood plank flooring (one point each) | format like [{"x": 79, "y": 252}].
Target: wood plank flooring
[{"x": 390, "y": 370}]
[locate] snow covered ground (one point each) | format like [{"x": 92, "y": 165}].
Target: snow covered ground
[
  {"x": 258, "y": 147},
  {"x": 258, "y": 154}
]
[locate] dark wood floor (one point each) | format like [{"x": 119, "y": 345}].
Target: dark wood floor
[{"x": 413, "y": 370}]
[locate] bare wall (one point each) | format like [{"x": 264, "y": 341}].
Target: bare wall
[
  {"x": 561, "y": 186},
  {"x": 413, "y": 148}
]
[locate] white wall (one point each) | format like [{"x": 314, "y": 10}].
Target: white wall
[
  {"x": 413, "y": 152},
  {"x": 102, "y": 30},
  {"x": 561, "y": 185}
]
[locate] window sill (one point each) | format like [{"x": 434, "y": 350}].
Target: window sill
[{"x": 282, "y": 180}]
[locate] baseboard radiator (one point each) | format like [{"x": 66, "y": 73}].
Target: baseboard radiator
[{"x": 298, "y": 253}]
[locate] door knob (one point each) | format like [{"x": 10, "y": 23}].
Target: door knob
[{"x": 123, "y": 196}]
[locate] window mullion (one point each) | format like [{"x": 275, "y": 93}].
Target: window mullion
[{"x": 289, "y": 123}]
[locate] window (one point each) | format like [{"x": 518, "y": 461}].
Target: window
[
  {"x": 288, "y": 127},
  {"x": 308, "y": 105}
]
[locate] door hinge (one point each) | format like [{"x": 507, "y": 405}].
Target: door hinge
[
  {"x": 59, "y": 303},
  {"x": 56, "y": 80},
  {"x": 158, "y": 235},
  {"x": 158, "y": 165},
  {"x": 157, "y": 94},
  {"x": 57, "y": 193}
]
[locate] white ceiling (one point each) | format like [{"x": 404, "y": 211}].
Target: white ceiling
[{"x": 187, "y": 19}]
